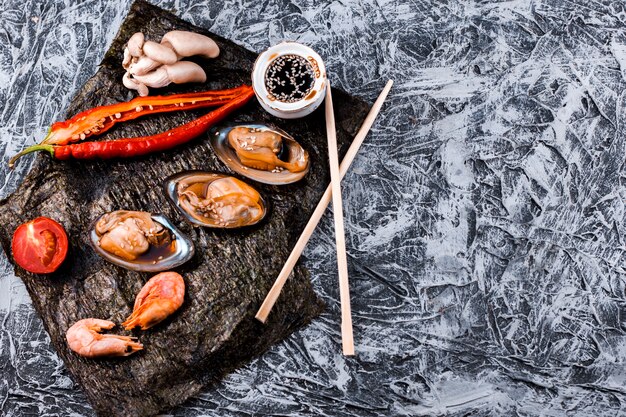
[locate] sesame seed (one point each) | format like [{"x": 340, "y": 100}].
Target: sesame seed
[{"x": 289, "y": 78}]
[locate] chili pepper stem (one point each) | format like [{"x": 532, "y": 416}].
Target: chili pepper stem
[
  {"x": 34, "y": 148},
  {"x": 48, "y": 137}
]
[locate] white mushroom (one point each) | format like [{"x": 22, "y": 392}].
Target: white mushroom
[
  {"x": 185, "y": 72},
  {"x": 159, "y": 53},
  {"x": 178, "y": 73},
  {"x": 127, "y": 58},
  {"x": 135, "y": 44},
  {"x": 132, "y": 84},
  {"x": 142, "y": 65},
  {"x": 151, "y": 64},
  {"x": 155, "y": 79},
  {"x": 189, "y": 44}
]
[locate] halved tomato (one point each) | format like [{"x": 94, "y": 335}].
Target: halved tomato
[{"x": 40, "y": 246}]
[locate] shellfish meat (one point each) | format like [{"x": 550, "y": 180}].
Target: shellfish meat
[
  {"x": 140, "y": 241},
  {"x": 262, "y": 153},
  {"x": 215, "y": 200}
]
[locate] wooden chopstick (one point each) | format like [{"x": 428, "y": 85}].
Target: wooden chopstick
[
  {"x": 347, "y": 338},
  {"x": 274, "y": 292}
]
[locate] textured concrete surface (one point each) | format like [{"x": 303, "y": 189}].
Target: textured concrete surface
[{"x": 484, "y": 214}]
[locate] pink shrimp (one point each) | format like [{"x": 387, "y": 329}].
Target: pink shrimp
[
  {"x": 162, "y": 295},
  {"x": 85, "y": 339}
]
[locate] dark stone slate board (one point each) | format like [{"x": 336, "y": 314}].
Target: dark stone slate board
[{"x": 214, "y": 331}]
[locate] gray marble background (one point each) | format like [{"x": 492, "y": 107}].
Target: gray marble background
[{"x": 485, "y": 213}]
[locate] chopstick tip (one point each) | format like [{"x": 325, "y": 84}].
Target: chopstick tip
[{"x": 261, "y": 317}]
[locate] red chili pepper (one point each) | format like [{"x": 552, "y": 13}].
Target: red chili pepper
[
  {"x": 100, "y": 119},
  {"x": 129, "y": 147}
]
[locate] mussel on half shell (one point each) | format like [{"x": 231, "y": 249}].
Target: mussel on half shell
[
  {"x": 140, "y": 241},
  {"x": 215, "y": 200},
  {"x": 260, "y": 152}
]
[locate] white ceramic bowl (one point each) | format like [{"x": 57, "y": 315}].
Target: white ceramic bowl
[{"x": 283, "y": 109}]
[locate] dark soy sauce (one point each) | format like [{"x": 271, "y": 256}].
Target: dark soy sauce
[
  {"x": 289, "y": 78},
  {"x": 156, "y": 254}
]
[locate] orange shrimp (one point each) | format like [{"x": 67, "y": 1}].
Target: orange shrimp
[
  {"x": 162, "y": 295},
  {"x": 85, "y": 339}
]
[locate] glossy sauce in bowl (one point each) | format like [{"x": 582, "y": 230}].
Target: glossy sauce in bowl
[{"x": 289, "y": 80}]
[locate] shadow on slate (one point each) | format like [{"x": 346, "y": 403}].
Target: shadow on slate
[{"x": 214, "y": 331}]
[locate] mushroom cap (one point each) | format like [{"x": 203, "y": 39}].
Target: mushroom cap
[
  {"x": 159, "y": 53},
  {"x": 185, "y": 72},
  {"x": 135, "y": 43},
  {"x": 189, "y": 44}
]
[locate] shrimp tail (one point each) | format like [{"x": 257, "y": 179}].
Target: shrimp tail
[
  {"x": 133, "y": 347},
  {"x": 130, "y": 344},
  {"x": 135, "y": 318}
]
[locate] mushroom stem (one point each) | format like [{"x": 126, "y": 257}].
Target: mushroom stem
[
  {"x": 135, "y": 44},
  {"x": 155, "y": 79},
  {"x": 143, "y": 65},
  {"x": 132, "y": 84},
  {"x": 127, "y": 58},
  {"x": 178, "y": 73}
]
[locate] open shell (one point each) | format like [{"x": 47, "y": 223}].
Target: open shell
[
  {"x": 290, "y": 154},
  {"x": 173, "y": 250},
  {"x": 203, "y": 201}
]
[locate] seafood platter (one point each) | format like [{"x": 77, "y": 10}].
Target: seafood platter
[{"x": 156, "y": 217}]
